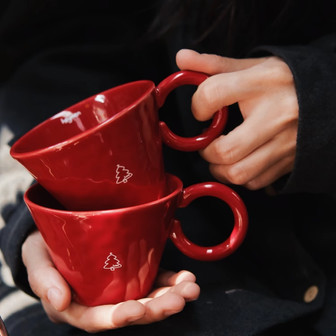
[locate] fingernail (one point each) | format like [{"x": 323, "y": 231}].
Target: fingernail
[{"x": 54, "y": 296}]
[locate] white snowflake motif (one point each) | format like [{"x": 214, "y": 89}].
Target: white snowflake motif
[
  {"x": 122, "y": 174},
  {"x": 112, "y": 262}
]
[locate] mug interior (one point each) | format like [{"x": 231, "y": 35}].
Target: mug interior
[
  {"x": 37, "y": 196},
  {"x": 82, "y": 118}
]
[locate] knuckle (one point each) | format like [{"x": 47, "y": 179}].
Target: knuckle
[
  {"x": 253, "y": 185},
  {"x": 276, "y": 72},
  {"x": 206, "y": 99},
  {"x": 237, "y": 175},
  {"x": 219, "y": 149},
  {"x": 52, "y": 316},
  {"x": 278, "y": 69},
  {"x": 292, "y": 108},
  {"x": 54, "y": 320},
  {"x": 203, "y": 94},
  {"x": 218, "y": 64},
  {"x": 91, "y": 327},
  {"x": 213, "y": 63},
  {"x": 91, "y": 330},
  {"x": 28, "y": 245},
  {"x": 223, "y": 152},
  {"x": 24, "y": 249},
  {"x": 34, "y": 282}
]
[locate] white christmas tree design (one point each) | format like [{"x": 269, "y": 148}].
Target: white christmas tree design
[
  {"x": 112, "y": 262},
  {"x": 122, "y": 174}
]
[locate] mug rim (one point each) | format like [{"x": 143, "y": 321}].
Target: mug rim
[
  {"x": 57, "y": 146},
  {"x": 170, "y": 178}
]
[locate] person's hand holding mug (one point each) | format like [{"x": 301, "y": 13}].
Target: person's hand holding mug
[
  {"x": 81, "y": 282},
  {"x": 169, "y": 296},
  {"x": 112, "y": 256},
  {"x": 262, "y": 148},
  {"x": 84, "y": 276}
]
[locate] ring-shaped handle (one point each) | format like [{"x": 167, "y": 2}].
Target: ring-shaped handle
[
  {"x": 188, "y": 143},
  {"x": 227, "y": 247}
]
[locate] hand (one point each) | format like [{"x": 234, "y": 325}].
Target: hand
[
  {"x": 262, "y": 148},
  {"x": 172, "y": 292}
]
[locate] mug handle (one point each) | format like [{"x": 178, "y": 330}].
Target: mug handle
[
  {"x": 237, "y": 235},
  {"x": 192, "y": 143}
]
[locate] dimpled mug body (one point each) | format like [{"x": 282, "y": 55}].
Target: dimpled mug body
[
  {"x": 109, "y": 256},
  {"x": 106, "y": 151},
  {"x": 105, "y": 256},
  {"x": 87, "y": 155}
]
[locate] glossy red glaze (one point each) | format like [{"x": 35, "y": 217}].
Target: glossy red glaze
[
  {"x": 237, "y": 235},
  {"x": 193, "y": 143},
  {"x": 113, "y": 255},
  {"x": 106, "y": 151}
]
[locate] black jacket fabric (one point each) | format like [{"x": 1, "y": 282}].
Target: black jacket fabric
[{"x": 54, "y": 53}]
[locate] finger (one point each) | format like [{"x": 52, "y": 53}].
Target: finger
[
  {"x": 258, "y": 161},
  {"x": 223, "y": 90},
  {"x": 161, "y": 307},
  {"x": 169, "y": 278},
  {"x": 258, "y": 128},
  {"x": 187, "y": 59},
  {"x": 244, "y": 139},
  {"x": 189, "y": 291},
  {"x": 276, "y": 171},
  {"x": 45, "y": 281},
  {"x": 240, "y": 86},
  {"x": 99, "y": 318}
]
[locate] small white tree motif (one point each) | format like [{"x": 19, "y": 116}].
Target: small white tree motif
[
  {"x": 122, "y": 174},
  {"x": 112, "y": 262},
  {"x": 67, "y": 117}
]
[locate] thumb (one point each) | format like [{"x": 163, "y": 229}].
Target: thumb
[
  {"x": 44, "y": 279},
  {"x": 187, "y": 59}
]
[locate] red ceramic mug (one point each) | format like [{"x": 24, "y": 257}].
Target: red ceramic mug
[
  {"x": 109, "y": 256},
  {"x": 106, "y": 151}
]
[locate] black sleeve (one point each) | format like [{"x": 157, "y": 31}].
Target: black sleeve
[
  {"x": 18, "y": 226},
  {"x": 314, "y": 70}
]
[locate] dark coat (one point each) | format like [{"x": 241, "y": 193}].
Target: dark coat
[{"x": 283, "y": 278}]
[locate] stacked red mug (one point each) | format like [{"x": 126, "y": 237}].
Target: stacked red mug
[{"x": 103, "y": 202}]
